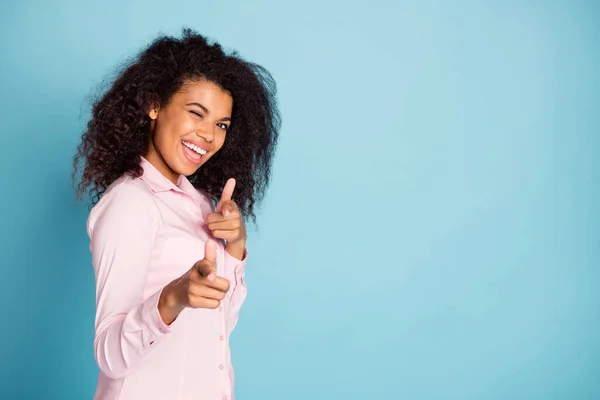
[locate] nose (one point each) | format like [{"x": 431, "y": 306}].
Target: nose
[{"x": 207, "y": 134}]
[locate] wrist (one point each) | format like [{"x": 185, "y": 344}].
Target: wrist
[
  {"x": 169, "y": 307},
  {"x": 237, "y": 249}
]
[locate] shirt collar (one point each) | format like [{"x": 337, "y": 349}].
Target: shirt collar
[{"x": 160, "y": 183}]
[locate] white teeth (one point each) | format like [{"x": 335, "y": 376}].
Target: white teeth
[{"x": 195, "y": 148}]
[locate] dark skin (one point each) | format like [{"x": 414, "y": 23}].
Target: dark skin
[{"x": 197, "y": 116}]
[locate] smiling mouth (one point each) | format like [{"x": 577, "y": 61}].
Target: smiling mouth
[{"x": 194, "y": 148}]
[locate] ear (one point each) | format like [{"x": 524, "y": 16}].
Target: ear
[{"x": 153, "y": 112}]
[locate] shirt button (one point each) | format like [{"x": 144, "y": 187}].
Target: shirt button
[
  {"x": 221, "y": 366},
  {"x": 224, "y": 397},
  {"x": 220, "y": 308},
  {"x": 222, "y": 337}
]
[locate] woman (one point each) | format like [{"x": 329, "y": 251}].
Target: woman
[{"x": 176, "y": 155}]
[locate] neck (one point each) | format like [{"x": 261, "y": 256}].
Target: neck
[{"x": 160, "y": 164}]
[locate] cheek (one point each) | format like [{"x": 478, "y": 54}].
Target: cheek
[
  {"x": 167, "y": 134},
  {"x": 220, "y": 139}
]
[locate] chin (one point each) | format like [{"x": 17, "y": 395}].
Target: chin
[
  {"x": 182, "y": 166},
  {"x": 188, "y": 170}
]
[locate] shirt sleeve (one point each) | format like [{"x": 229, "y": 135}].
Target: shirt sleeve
[
  {"x": 122, "y": 230},
  {"x": 235, "y": 270}
]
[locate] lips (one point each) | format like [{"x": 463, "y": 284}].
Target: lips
[
  {"x": 195, "y": 147},
  {"x": 193, "y": 153}
]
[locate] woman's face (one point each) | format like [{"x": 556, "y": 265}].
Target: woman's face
[{"x": 190, "y": 129}]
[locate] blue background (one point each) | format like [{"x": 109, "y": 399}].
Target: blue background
[{"x": 433, "y": 226}]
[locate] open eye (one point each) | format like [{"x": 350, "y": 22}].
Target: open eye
[{"x": 223, "y": 126}]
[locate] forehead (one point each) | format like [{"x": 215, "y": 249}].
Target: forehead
[{"x": 197, "y": 90}]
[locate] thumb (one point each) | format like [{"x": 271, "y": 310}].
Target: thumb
[
  {"x": 206, "y": 270},
  {"x": 227, "y": 193}
]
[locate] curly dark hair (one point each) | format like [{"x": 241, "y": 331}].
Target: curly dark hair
[{"x": 118, "y": 131}]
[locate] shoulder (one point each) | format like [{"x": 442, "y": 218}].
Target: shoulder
[{"x": 127, "y": 200}]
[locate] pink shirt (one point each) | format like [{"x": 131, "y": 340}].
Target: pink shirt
[{"x": 144, "y": 233}]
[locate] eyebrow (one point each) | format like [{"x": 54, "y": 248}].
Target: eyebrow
[{"x": 206, "y": 110}]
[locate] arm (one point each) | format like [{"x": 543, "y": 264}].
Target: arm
[
  {"x": 122, "y": 232},
  {"x": 235, "y": 265},
  {"x": 227, "y": 223}
]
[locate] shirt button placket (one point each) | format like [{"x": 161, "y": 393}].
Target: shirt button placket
[{"x": 222, "y": 344}]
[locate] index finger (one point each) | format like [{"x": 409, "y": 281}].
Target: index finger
[
  {"x": 209, "y": 273},
  {"x": 220, "y": 283},
  {"x": 206, "y": 269},
  {"x": 210, "y": 251},
  {"x": 228, "y": 190}
]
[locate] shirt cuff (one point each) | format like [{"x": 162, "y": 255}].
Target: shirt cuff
[
  {"x": 234, "y": 264},
  {"x": 235, "y": 268}
]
